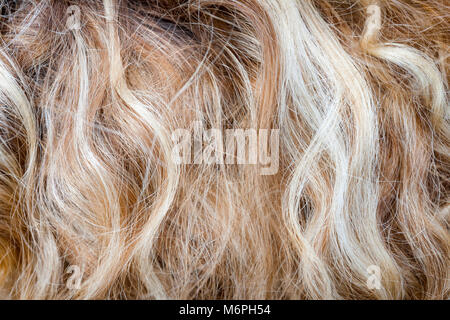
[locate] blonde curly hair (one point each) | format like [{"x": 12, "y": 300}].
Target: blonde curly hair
[{"x": 91, "y": 91}]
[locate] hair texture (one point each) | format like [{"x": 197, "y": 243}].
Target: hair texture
[{"x": 358, "y": 89}]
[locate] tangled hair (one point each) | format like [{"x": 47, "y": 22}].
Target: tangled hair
[{"x": 358, "y": 90}]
